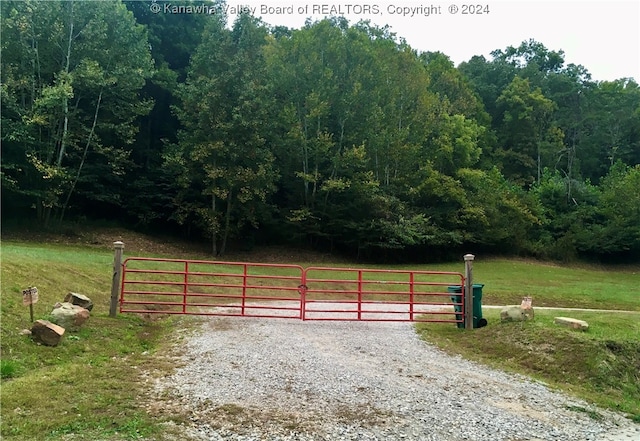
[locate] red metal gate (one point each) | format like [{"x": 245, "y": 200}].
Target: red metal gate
[
  {"x": 198, "y": 287},
  {"x": 379, "y": 295}
]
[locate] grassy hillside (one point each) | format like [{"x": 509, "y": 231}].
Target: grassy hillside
[
  {"x": 90, "y": 383},
  {"x": 94, "y": 382}
]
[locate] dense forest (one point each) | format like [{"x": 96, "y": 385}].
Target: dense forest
[{"x": 337, "y": 136}]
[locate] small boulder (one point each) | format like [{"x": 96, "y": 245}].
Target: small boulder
[
  {"x": 47, "y": 333},
  {"x": 80, "y": 300},
  {"x": 69, "y": 316},
  {"x": 516, "y": 313},
  {"x": 572, "y": 323}
]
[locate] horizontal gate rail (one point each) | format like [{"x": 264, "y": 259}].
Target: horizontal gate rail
[
  {"x": 201, "y": 287},
  {"x": 379, "y": 295},
  {"x": 177, "y": 286}
]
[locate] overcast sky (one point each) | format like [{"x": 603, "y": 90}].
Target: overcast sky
[{"x": 602, "y": 36}]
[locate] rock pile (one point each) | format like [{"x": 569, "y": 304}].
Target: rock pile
[{"x": 70, "y": 314}]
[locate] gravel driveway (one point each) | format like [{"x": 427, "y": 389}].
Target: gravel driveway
[{"x": 281, "y": 379}]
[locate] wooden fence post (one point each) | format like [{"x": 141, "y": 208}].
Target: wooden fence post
[
  {"x": 468, "y": 291},
  {"x": 115, "y": 281}
]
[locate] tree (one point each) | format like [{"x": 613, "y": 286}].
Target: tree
[
  {"x": 498, "y": 214},
  {"x": 489, "y": 78},
  {"x": 565, "y": 220},
  {"x": 532, "y": 57},
  {"x": 454, "y": 90},
  {"x": 71, "y": 76},
  {"x": 356, "y": 89},
  {"x": 613, "y": 125},
  {"x": 173, "y": 39},
  {"x": 619, "y": 208},
  {"x": 223, "y": 159},
  {"x": 527, "y": 131},
  {"x": 569, "y": 89}
]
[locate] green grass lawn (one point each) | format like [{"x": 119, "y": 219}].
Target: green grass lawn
[
  {"x": 601, "y": 365},
  {"x": 507, "y": 281},
  {"x": 585, "y": 286},
  {"x": 93, "y": 382}
]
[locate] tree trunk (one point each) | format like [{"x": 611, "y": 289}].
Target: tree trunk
[
  {"x": 214, "y": 228},
  {"x": 227, "y": 223},
  {"x": 376, "y": 165},
  {"x": 305, "y": 171},
  {"x": 570, "y": 159},
  {"x": 539, "y": 168},
  {"x": 84, "y": 157},
  {"x": 65, "y": 100},
  {"x": 39, "y": 210}
]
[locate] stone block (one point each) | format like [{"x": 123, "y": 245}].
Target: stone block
[
  {"x": 572, "y": 323},
  {"x": 80, "y": 300},
  {"x": 47, "y": 333}
]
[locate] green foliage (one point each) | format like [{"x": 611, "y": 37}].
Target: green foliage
[
  {"x": 598, "y": 220},
  {"x": 612, "y": 122},
  {"x": 336, "y": 134},
  {"x": 569, "y": 207},
  {"x": 526, "y": 116},
  {"x": 618, "y": 229},
  {"x": 223, "y": 152},
  {"x": 532, "y": 57},
  {"x": 499, "y": 214},
  {"x": 71, "y": 75}
]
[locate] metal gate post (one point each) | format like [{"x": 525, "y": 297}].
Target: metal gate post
[
  {"x": 411, "y": 296},
  {"x": 185, "y": 288},
  {"x": 359, "y": 294},
  {"x": 244, "y": 288},
  {"x": 468, "y": 291},
  {"x": 302, "y": 290},
  {"x": 115, "y": 281}
]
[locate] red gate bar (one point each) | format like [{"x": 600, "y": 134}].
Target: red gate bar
[
  {"x": 176, "y": 286},
  {"x": 378, "y": 294}
]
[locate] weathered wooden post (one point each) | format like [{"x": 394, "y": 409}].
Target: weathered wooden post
[
  {"x": 468, "y": 291},
  {"x": 29, "y": 297},
  {"x": 117, "y": 273}
]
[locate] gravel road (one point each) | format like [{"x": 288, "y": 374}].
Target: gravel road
[{"x": 281, "y": 379}]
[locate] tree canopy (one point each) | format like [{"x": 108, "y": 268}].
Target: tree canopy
[{"x": 334, "y": 135}]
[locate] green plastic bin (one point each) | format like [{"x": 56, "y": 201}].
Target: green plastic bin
[{"x": 456, "y": 297}]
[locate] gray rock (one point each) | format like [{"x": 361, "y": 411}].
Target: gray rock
[
  {"x": 515, "y": 313},
  {"x": 69, "y": 316},
  {"x": 80, "y": 300}
]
